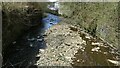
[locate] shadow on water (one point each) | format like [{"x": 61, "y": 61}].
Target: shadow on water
[{"x": 23, "y": 51}]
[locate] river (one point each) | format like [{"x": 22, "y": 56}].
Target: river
[{"x": 23, "y": 51}]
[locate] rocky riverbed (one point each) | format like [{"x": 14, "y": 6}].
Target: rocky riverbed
[
  {"x": 62, "y": 44},
  {"x": 59, "y": 41},
  {"x": 68, "y": 45}
]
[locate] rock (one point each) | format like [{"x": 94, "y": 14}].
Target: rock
[
  {"x": 88, "y": 37},
  {"x": 38, "y": 36},
  {"x": 95, "y": 49},
  {"x": 14, "y": 42},
  {"x": 105, "y": 52},
  {"x": 41, "y": 50},
  {"x": 31, "y": 45},
  {"x": 83, "y": 42},
  {"x": 68, "y": 57},
  {"x": 78, "y": 60},
  {"x": 32, "y": 39},
  {"x": 96, "y": 43},
  {"x": 73, "y": 28},
  {"x": 38, "y": 55},
  {"x": 39, "y": 40},
  {"x": 114, "y": 62}
]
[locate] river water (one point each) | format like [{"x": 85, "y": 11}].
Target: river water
[{"x": 23, "y": 51}]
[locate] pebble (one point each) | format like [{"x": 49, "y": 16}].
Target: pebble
[
  {"x": 105, "y": 52},
  {"x": 60, "y": 54},
  {"x": 14, "y": 42},
  {"x": 84, "y": 41},
  {"x": 39, "y": 40},
  {"x": 82, "y": 50},
  {"x": 68, "y": 57},
  {"x": 114, "y": 62},
  {"x": 95, "y": 49},
  {"x": 31, "y": 39},
  {"x": 78, "y": 60},
  {"x": 30, "y": 63},
  {"x": 54, "y": 56},
  {"x": 31, "y": 45},
  {"x": 41, "y": 50},
  {"x": 88, "y": 37},
  {"x": 72, "y": 63},
  {"x": 95, "y": 43},
  {"x": 38, "y": 55},
  {"x": 38, "y": 36}
]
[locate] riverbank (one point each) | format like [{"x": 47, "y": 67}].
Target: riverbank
[
  {"x": 57, "y": 40},
  {"x": 68, "y": 45}
]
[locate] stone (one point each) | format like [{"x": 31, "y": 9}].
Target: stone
[
  {"x": 95, "y": 43},
  {"x": 39, "y": 40},
  {"x": 41, "y": 50},
  {"x": 95, "y": 49},
  {"x": 114, "y": 62}
]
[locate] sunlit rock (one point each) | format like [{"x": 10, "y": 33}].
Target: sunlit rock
[
  {"x": 41, "y": 50},
  {"x": 88, "y": 37},
  {"x": 68, "y": 57},
  {"x": 97, "y": 43},
  {"x": 95, "y": 49},
  {"x": 114, "y": 62},
  {"x": 78, "y": 60}
]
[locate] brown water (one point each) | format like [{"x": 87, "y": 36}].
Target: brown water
[{"x": 87, "y": 57}]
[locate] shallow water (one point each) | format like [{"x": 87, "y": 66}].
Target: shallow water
[
  {"x": 95, "y": 54},
  {"x": 50, "y": 20}
]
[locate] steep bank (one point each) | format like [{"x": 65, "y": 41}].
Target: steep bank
[{"x": 99, "y": 19}]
